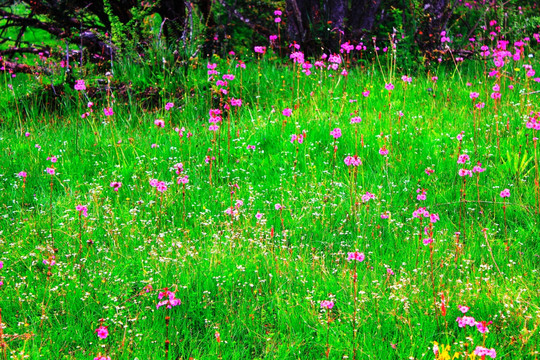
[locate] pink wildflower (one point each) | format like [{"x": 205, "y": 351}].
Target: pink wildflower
[
  {"x": 102, "y": 332},
  {"x": 327, "y": 304},
  {"x": 358, "y": 256}
]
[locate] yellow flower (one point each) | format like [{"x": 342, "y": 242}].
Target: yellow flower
[{"x": 442, "y": 352}]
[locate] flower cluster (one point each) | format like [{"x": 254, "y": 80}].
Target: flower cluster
[
  {"x": 83, "y": 209},
  {"x": 167, "y": 298},
  {"x": 352, "y": 161}
]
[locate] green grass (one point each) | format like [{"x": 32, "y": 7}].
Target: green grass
[{"x": 259, "y": 284}]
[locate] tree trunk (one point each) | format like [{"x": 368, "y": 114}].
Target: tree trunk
[
  {"x": 362, "y": 16},
  {"x": 428, "y": 37}
]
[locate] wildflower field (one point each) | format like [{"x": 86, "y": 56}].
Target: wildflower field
[{"x": 257, "y": 208}]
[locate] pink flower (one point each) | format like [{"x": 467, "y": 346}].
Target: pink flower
[
  {"x": 21, "y": 174},
  {"x": 170, "y": 299},
  {"x": 365, "y": 93},
  {"x": 429, "y": 171},
  {"x": 80, "y": 85},
  {"x": 434, "y": 218},
  {"x": 358, "y": 256},
  {"x": 82, "y": 209},
  {"x": 99, "y": 357},
  {"x": 418, "y": 213},
  {"x": 116, "y": 185},
  {"x": 383, "y": 151},
  {"x": 236, "y": 102},
  {"x": 483, "y": 352},
  {"x": 51, "y": 261},
  {"x": 352, "y": 160},
  {"x": 356, "y": 120},
  {"x": 1, "y": 264},
  {"x": 385, "y": 215},
  {"x": 159, "y": 123},
  {"x": 27, "y": 134},
  {"x": 277, "y": 20},
  {"x": 406, "y": 79},
  {"x": 478, "y": 168},
  {"x": 505, "y": 193},
  {"x": 169, "y": 106},
  {"x": 466, "y": 320},
  {"x": 287, "y": 112},
  {"x": 460, "y": 136},
  {"x": 427, "y": 241},
  {"x": 463, "y": 308},
  {"x": 464, "y": 172},
  {"x": 108, "y": 111},
  {"x": 277, "y": 12},
  {"x": 367, "y": 196},
  {"x": 389, "y": 86},
  {"x": 161, "y": 186},
  {"x": 179, "y": 167},
  {"x": 279, "y": 207},
  {"x": 462, "y": 159},
  {"x": 182, "y": 180},
  {"x": 102, "y": 332},
  {"x": 327, "y": 304},
  {"x": 336, "y": 133},
  {"x": 474, "y": 95},
  {"x": 258, "y": 216},
  {"x": 50, "y": 171},
  {"x": 260, "y": 49},
  {"x": 482, "y": 326}
]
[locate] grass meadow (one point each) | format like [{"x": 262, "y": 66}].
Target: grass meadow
[{"x": 269, "y": 210}]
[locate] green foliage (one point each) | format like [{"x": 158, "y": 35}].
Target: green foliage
[{"x": 259, "y": 283}]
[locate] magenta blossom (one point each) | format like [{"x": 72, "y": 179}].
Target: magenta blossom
[
  {"x": 102, "y": 332},
  {"x": 358, "y": 256},
  {"x": 287, "y": 112},
  {"x": 260, "y": 49},
  {"x": 505, "y": 193},
  {"x": 108, "y": 111},
  {"x": 169, "y": 299},
  {"x": 83, "y": 209},
  {"x": 116, "y": 185},
  {"x": 336, "y": 133},
  {"x": 327, "y": 304},
  {"x": 483, "y": 352},
  {"x": 353, "y": 160},
  {"x": 80, "y": 85}
]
